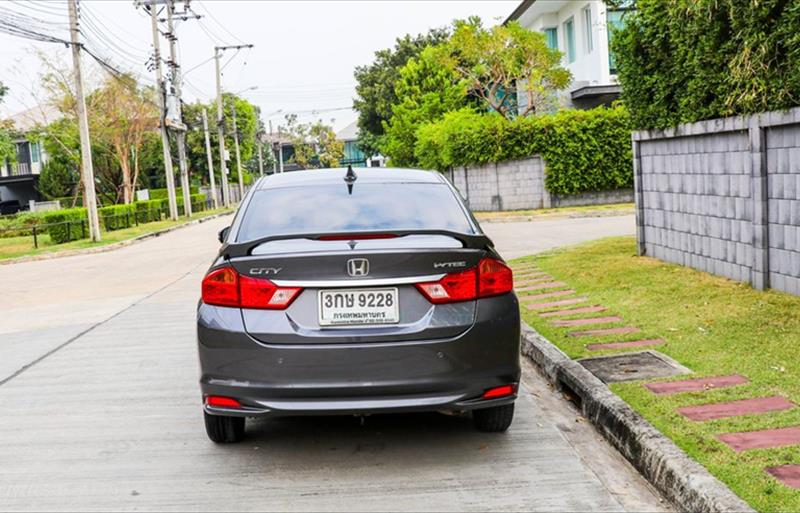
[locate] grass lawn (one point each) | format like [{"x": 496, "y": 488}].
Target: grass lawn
[
  {"x": 23, "y": 246},
  {"x": 560, "y": 211},
  {"x": 712, "y": 325}
]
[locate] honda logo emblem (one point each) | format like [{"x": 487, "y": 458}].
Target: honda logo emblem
[{"x": 358, "y": 267}]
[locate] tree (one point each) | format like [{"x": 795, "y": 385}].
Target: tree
[
  {"x": 496, "y": 62},
  {"x": 247, "y": 123},
  {"x": 375, "y": 87},
  {"x": 315, "y": 144},
  {"x": 8, "y": 149},
  {"x": 426, "y": 91},
  {"x": 121, "y": 115},
  {"x": 57, "y": 179}
]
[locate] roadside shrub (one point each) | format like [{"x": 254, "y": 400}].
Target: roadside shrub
[
  {"x": 162, "y": 193},
  {"x": 198, "y": 202},
  {"x": 72, "y": 224},
  {"x": 148, "y": 211},
  {"x": 19, "y": 224},
  {"x": 117, "y": 217},
  {"x": 584, "y": 150},
  {"x": 686, "y": 60}
]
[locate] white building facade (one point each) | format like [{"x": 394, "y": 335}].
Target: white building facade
[{"x": 579, "y": 29}]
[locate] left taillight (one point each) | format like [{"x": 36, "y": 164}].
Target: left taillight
[
  {"x": 490, "y": 278},
  {"x": 221, "y": 287},
  {"x": 226, "y": 287}
]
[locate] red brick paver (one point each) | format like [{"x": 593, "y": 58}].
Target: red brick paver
[
  {"x": 625, "y": 345},
  {"x": 765, "y": 439},
  {"x": 735, "y": 408},
  {"x": 540, "y": 286},
  {"x": 786, "y": 474},
  {"x": 585, "y": 321},
  {"x": 573, "y": 311},
  {"x": 553, "y": 304},
  {"x": 604, "y": 331},
  {"x": 546, "y": 295},
  {"x": 695, "y": 385}
]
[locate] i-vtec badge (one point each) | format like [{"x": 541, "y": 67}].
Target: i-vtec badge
[
  {"x": 448, "y": 265},
  {"x": 357, "y": 267},
  {"x": 262, "y": 271}
]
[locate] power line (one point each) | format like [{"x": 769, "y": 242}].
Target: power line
[{"x": 211, "y": 15}]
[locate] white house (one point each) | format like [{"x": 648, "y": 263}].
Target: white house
[{"x": 580, "y": 30}]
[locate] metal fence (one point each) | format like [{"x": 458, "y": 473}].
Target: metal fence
[{"x": 79, "y": 229}]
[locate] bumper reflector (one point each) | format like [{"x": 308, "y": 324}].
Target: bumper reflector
[
  {"x": 503, "y": 391},
  {"x": 222, "y": 402}
]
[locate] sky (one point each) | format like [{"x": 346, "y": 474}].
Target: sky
[{"x": 302, "y": 61}]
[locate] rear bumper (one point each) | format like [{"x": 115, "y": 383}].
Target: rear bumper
[{"x": 359, "y": 378}]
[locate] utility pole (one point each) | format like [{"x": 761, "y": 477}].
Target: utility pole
[
  {"x": 238, "y": 156},
  {"x": 272, "y": 150},
  {"x": 210, "y": 161},
  {"x": 87, "y": 171},
  {"x": 221, "y": 121},
  {"x": 173, "y": 206},
  {"x": 260, "y": 157},
  {"x": 180, "y": 131}
]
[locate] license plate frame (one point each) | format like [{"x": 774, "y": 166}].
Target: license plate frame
[{"x": 382, "y": 315}]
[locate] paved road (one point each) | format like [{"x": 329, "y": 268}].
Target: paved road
[{"x": 106, "y": 414}]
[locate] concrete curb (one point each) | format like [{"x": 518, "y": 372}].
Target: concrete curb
[
  {"x": 683, "y": 481},
  {"x": 549, "y": 217},
  {"x": 110, "y": 247}
]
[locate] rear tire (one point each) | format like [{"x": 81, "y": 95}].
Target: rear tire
[
  {"x": 223, "y": 429},
  {"x": 495, "y": 419}
]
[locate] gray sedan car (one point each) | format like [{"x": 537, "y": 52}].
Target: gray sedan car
[{"x": 353, "y": 293}]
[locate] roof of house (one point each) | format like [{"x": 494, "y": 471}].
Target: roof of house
[
  {"x": 348, "y": 133},
  {"x": 27, "y": 119},
  {"x": 521, "y": 8}
]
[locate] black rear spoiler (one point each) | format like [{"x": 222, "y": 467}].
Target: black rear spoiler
[{"x": 243, "y": 249}]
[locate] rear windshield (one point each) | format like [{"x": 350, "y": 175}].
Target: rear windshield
[{"x": 371, "y": 207}]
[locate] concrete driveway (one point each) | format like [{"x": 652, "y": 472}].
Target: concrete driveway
[{"x": 101, "y": 410}]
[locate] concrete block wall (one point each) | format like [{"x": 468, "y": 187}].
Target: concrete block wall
[
  {"x": 723, "y": 196},
  {"x": 519, "y": 185},
  {"x": 510, "y": 185}
]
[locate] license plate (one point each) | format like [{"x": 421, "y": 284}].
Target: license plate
[{"x": 347, "y": 307}]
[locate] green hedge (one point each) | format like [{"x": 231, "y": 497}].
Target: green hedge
[
  {"x": 681, "y": 61},
  {"x": 148, "y": 211},
  {"x": 19, "y": 224},
  {"x": 73, "y": 225},
  {"x": 584, "y": 150},
  {"x": 162, "y": 193},
  {"x": 117, "y": 217}
]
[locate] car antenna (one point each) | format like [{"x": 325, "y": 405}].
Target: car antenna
[{"x": 350, "y": 178}]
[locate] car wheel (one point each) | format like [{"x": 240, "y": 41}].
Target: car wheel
[
  {"x": 495, "y": 419},
  {"x": 224, "y": 430}
]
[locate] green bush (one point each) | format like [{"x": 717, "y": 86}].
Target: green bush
[
  {"x": 66, "y": 201},
  {"x": 148, "y": 211},
  {"x": 19, "y": 224},
  {"x": 117, "y": 217},
  {"x": 584, "y": 150},
  {"x": 686, "y": 60},
  {"x": 162, "y": 193},
  {"x": 71, "y": 224}
]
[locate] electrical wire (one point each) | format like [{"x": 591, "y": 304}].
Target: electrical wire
[{"x": 211, "y": 15}]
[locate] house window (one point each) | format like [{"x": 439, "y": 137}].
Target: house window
[
  {"x": 587, "y": 24},
  {"x": 551, "y": 36},
  {"x": 34, "y": 152},
  {"x": 569, "y": 36},
  {"x": 615, "y": 20}
]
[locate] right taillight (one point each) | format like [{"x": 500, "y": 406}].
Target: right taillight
[
  {"x": 226, "y": 287},
  {"x": 494, "y": 278},
  {"x": 490, "y": 278}
]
